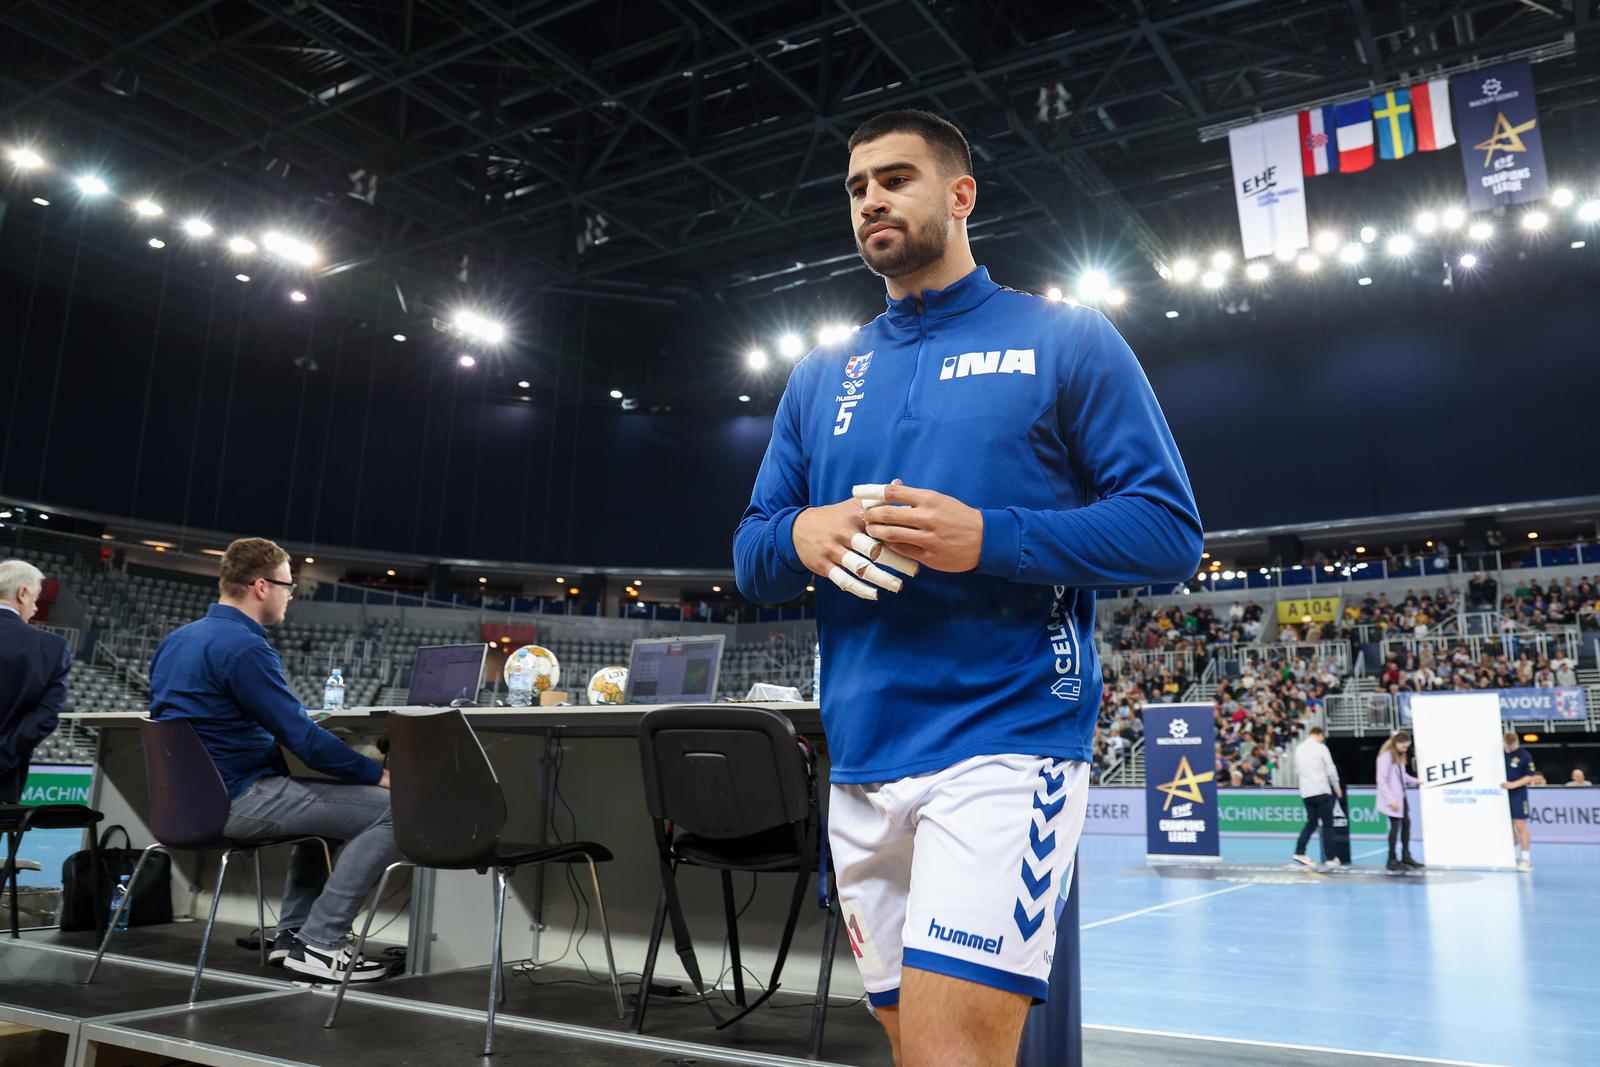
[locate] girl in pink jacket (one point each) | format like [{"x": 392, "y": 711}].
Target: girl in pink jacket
[{"x": 1392, "y": 781}]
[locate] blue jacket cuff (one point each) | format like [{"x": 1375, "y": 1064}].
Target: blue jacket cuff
[
  {"x": 1002, "y": 543},
  {"x": 783, "y": 540}
]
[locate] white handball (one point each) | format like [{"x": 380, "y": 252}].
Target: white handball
[
  {"x": 536, "y": 663},
  {"x": 608, "y": 685}
]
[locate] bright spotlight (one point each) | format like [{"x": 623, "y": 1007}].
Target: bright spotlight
[
  {"x": 1400, "y": 245},
  {"x": 1222, "y": 261},
  {"x": 756, "y": 359},
  {"x": 1308, "y": 262},
  {"x": 1427, "y": 222},
  {"x": 524, "y": 385},
  {"x": 241, "y": 277},
  {"x": 297, "y": 296},
  {"x": 1116, "y": 298},
  {"x": 1480, "y": 231},
  {"x": 26, "y": 159},
  {"x": 616, "y": 394},
  {"x": 1468, "y": 260},
  {"x": 467, "y": 360},
  {"x": 241, "y": 246},
  {"x": 744, "y": 398},
  {"x": 198, "y": 228},
  {"x": 399, "y": 337},
  {"x": 1363, "y": 281},
  {"x": 1589, "y": 210},
  {"x": 1352, "y": 252},
  {"x": 1184, "y": 270},
  {"x": 1212, "y": 279},
  {"x": 1258, "y": 272},
  {"x": 1054, "y": 293},
  {"x": 790, "y": 346},
  {"x": 1561, "y": 197},
  {"x": 1452, "y": 218},
  {"x": 1534, "y": 220},
  {"x": 1368, "y": 235},
  {"x": 478, "y": 327},
  {"x": 1286, "y": 254},
  {"x": 1172, "y": 314},
  {"x": 292, "y": 249},
  {"x": 1092, "y": 285},
  {"x": 1326, "y": 242},
  {"x": 156, "y": 242},
  {"x": 148, "y": 208},
  {"x": 42, "y": 202},
  {"x": 92, "y": 186},
  {"x": 832, "y": 334}
]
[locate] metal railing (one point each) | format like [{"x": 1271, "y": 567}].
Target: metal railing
[
  {"x": 1173, "y": 662},
  {"x": 1361, "y": 713},
  {"x": 1277, "y": 655},
  {"x": 1129, "y": 770}
]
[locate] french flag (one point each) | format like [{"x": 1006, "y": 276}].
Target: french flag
[
  {"x": 1430, "y": 114},
  {"x": 1353, "y": 123},
  {"x": 1318, "y": 154}
]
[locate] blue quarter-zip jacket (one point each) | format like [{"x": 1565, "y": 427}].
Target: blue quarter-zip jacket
[{"x": 1037, "y": 414}]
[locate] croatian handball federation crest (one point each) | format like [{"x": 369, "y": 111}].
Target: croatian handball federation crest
[{"x": 856, "y": 366}]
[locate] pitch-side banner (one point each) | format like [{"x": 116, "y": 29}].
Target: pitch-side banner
[
  {"x": 1268, "y": 186},
  {"x": 1526, "y": 705},
  {"x": 1497, "y": 126},
  {"x": 1180, "y": 774},
  {"x": 1461, "y": 764},
  {"x": 49, "y": 783}
]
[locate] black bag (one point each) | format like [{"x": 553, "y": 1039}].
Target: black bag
[{"x": 152, "y": 894}]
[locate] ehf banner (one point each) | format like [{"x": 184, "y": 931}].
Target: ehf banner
[
  {"x": 1180, "y": 775},
  {"x": 1461, "y": 764},
  {"x": 1497, "y": 127},
  {"x": 1526, "y": 705},
  {"x": 1268, "y": 186}
]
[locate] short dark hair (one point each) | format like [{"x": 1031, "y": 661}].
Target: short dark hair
[
  {"x": 1315, "y": 731},
  {"x": 247, "y": 559},
  {"x": 950, "y": 148}
]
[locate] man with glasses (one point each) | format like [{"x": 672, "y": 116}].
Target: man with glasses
[{"x": 221, "y": 675}]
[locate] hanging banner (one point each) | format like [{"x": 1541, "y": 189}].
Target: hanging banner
[
  {"x": 1526, "y": 705},
  {"x": 1461, "y": 764},
  {"x": 1268, "y": 186},
  {"x": 1180, "y": 775},
  {"x": 1497, "y": 126}
]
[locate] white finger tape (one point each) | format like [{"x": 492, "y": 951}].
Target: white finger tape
[
  {"x": 868, "y": 502},
  {"x": 862, "y": 567},
  {"x": 861, "y": 492},
  {"x": 850, "y": 584},
  {"x": 879, "y": 552}
]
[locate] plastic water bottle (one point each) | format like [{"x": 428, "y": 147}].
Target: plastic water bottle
[
  {"x": 116, "y": 899},
  {"x": 333, "y": 691},
  {"x": 816, "y": 672},
  {"x": 519, "y": 690}
]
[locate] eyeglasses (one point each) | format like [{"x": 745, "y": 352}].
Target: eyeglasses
[{"x": 293, "y": 587}]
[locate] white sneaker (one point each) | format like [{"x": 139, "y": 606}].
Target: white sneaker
[
  {"x": 1304, "y": 860},
  {"x": 1524, "y": 866},
  {"x": 325, "y": 966},
  {"x": 1332, "y": 863}
]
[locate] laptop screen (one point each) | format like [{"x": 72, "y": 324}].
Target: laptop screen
[
  {"x": 674, "y": 670},
  {"x": 442, "y": 673}
]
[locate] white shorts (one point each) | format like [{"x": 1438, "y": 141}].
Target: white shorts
[{"x": 962, "y": 872}]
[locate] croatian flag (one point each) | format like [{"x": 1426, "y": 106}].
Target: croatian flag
[
  {"x": 1354, "y": 135},
  {"x": 1391, "y": 113},
  {"x": 1430, "y": 112},
  {"x": 1318, "y": 155}
]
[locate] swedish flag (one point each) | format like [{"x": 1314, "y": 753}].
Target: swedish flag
[{"x": 1391, "y": 115}]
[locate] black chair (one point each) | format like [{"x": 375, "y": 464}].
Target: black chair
[
  {"x": 730, "y": 788},
  {"x": 188, "y": 809},
  {"x": 16, "y": 820},
  {"x": 449, "y": 814}
]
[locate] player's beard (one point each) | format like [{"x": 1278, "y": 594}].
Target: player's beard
[{"x": 918, "y": 247}]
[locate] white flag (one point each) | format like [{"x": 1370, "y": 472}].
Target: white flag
[{"x": 1268, "y": 186}]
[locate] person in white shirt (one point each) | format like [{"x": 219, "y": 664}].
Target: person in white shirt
[
  {"x": 1579, "y": 779},
  {"x": 1319, "y": 785}
]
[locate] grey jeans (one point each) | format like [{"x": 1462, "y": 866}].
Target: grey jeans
[{"x": 321, "y": 907}]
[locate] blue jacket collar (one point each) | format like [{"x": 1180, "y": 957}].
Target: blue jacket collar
[
  {"x": 962, "y": 296},
  {"x": 222, "y": 611}
]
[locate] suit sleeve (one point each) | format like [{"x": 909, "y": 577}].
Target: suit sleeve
[
  {"x": 766, "y": 567},
  {"x": 1143, "y": 526},
  {"x": 256, "y": 683},
  {"x": 46, "y": 715}
]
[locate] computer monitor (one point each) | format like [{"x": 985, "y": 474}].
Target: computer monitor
[
  {"x": 444, "y": 673},
  {"x": 674, "y": 670}
]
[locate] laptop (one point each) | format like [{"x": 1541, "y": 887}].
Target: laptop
[
  {"x": 442, "y": 675},
  {"x": 674, "y": 670}
]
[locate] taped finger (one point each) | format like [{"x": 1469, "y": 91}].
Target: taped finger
[
  {"x": 851, "y": 584},
  {"x": 868, "y": 502},
  {"x": 879, "y": 552},
  {"x": 862, "y": 567},
  {"x": 868, "y": 490}
]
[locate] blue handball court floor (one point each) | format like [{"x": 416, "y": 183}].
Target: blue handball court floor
[{"x": 1462, "y": 967}]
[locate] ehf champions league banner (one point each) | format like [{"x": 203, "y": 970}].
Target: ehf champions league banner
[
  {"x": 1497, "y": 127},
  {"x": 1180, "y": 774},
  {"x": 1461, "y": 765},
  {"x": 1526, "y": 705}
]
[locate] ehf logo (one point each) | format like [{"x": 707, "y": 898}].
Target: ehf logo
[
  {"x": 856, "y": 366},
  {"x": 1178, "y": 728}
]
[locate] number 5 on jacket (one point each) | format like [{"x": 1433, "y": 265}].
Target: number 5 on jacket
[{"x": 841, "y": 425}]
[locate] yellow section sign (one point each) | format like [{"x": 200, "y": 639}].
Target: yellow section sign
[{"x": 1319, "y": 608}]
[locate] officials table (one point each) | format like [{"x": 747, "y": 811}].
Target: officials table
[{"x": 555, "y": 764}]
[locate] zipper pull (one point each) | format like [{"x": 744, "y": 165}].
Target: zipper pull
[{"x": 917, "y": 300}]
